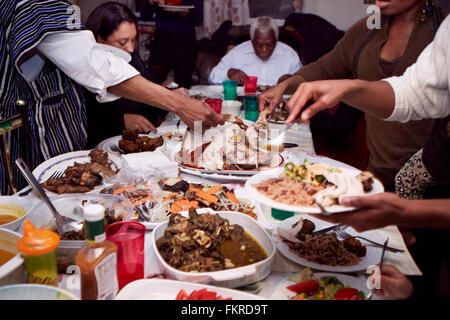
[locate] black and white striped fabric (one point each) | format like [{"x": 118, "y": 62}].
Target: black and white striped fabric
[{"x": 55, "y": 113}]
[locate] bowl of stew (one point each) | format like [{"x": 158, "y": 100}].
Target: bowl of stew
[
  {"x": 226, "y": 249},
  {"x": 13, "y": 211},
  {"x": 12, "y": 269}
]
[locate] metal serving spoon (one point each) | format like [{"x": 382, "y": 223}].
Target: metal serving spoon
[{"x": 63, "y": 224}]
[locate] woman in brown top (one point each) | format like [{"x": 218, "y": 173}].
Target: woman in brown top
[{"x": 408, "y": 26}]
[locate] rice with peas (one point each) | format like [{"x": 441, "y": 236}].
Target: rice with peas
[{"x": 289, "y": 191}]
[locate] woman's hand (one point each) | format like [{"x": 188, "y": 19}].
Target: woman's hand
[
  {"x": 394, "y": 283},
  {"x": 182, "y": 91},
  {"x": 270, "y": 98},
  {"x": 138, "y": 122},
  {"x": 373, "y": 212},
  {"x": 322, "y": 95}
]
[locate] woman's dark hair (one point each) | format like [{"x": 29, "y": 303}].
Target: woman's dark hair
[{"x": 107, "y": 17}]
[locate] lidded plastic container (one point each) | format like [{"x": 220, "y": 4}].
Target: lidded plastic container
[{"x": 38, "y": 249}]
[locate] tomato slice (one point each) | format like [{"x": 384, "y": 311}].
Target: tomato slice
[
  {"x": 208, "y": 295},
  {"x": 182, "y": 295},
  {"x": 355, "y": 297},
  {"x": 345, "y": 293},
  {"x": 304, "y": 287}
]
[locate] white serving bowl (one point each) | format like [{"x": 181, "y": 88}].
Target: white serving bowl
[
  {"x": 231, "y": 107},
  {"x": 13, "y": 271},
  {"x": 13, "y": 200},
  {"x": 231, "y": 278},
  {"x": 34, "y": 292}
]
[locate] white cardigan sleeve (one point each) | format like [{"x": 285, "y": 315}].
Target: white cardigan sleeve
[{"x": 423, "y": 90}]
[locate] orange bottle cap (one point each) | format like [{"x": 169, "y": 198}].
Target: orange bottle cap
[{"x": 37, "y": 241}]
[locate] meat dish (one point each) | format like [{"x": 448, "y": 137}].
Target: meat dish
[
  {"x": 279, "y": 113},
  {"x": 82, "y": 177},
  {"x": 311, "y": 183},
  {"x": 324, "y": 248},
  {"x": 232, "y": 146},
  {"x": 207, "y": 242},
  {"x": 131, "y": 142}
]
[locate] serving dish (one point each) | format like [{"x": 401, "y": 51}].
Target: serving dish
[
  {"x": 111, "y": 145},
  {"x": 371, "y": 257},
  {"x": 13, "y": 271},
  {"x": 59, "y": 164},
  {"x": 231, "y": 278},
  {"x": 163, "y": 289},
  {"x": 256, "y": 195},
  {"x": 13, "y": 205}
]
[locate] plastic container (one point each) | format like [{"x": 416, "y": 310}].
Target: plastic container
[
  {"x": 18, "y": 207},
  {"x": 215, "y": 104},
  {"x": 229, "y": 89},
  {"x": 129, "y": 238},
  {"x": 230, "y": 278},
  {"x": 38, "y": 248},
  {"x": 251, "y": 108},
  {"x": 281, "y": 215},
  {"x": 13, "y": 271},
  {"x": 231, "y": 107},
  {"x": 68, "y": 205},
  {"x": 250, "y": 84},
  {"x": 34, "y": 292}
]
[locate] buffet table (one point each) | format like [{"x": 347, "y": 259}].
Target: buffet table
[{"x": 299, "y": 134}]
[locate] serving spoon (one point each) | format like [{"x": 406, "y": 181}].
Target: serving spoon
[{"x": 63, "y": 223}]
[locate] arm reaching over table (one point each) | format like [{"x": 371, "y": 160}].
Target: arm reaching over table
[
  {"x": 189, "y": 110},
  {"x": 381, "y": 210},
  {"x": 422, "y": 92}
]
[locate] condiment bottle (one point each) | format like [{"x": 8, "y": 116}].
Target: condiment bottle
[
  {"x": 38, "y": 249},
  {"x": 97, "y": 260}
]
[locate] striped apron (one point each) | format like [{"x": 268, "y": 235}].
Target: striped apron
[{"x": 55, "y": 115}]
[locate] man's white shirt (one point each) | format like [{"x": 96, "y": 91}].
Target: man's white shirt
[{"x": 284, "y": 60}]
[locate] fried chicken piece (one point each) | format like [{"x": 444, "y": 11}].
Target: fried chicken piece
[
  {"x": 130, "y": 134},
  {"x": 102, "y": 169},
  {"x": 128, "y": 146},
  {"x": 354, "y": 245},
  {"x": 68, "y": 188},
  {"x": 98, "y": 156}
]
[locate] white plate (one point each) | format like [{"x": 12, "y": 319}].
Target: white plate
[
  {"x": 162, "y": 289},
  {"x": 110, "y": 145},
  {"x": 238, "y": 193},
  {"x": 371, "y": 258},
  {"x": 61, "y": 162},
  {"x": 176, "y": 7},
  {"x": 253, "y": 193},
  {"x": 277, "y": 161},
  {"x": 282, "y": 293}
]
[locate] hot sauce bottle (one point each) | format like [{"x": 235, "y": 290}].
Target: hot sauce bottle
[{"x": 97, "y": 260}]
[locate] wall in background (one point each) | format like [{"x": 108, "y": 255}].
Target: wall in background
[{"x": 342, "y": 13}]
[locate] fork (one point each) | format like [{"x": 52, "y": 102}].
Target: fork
[
  {"x": 115, "y": 148},
  {"x": 57, "y": 175},
  {"x": 344, "y": 235}
]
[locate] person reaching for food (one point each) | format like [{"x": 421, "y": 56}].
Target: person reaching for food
[
  {"x": 114, "y": 24},
  {"x": 53, "y": 57}
]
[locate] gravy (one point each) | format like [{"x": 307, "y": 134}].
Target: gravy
[
  {"x": 5, "y": 256},
  {"x": 7, "y": 218},
  {"x": 244, "y": 252}
]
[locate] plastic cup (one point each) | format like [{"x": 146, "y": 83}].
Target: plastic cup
[
  {"x": 281, "y": 215},
  {"x": 232, "y": 107},
  {"x": 38, "y": 249},
  {"x": 230, "y": 90},
  {"x": 215, "y": 104},
  {"x": 251, "y": 108},
  {"x": 129, "y": 238},
  {"x": 250, "y": 84}
]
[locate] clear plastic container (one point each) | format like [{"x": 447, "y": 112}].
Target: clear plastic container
[{"x": 69, "y": 205}]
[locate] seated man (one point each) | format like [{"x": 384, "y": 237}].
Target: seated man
[{"x": 263, "y": 56}]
